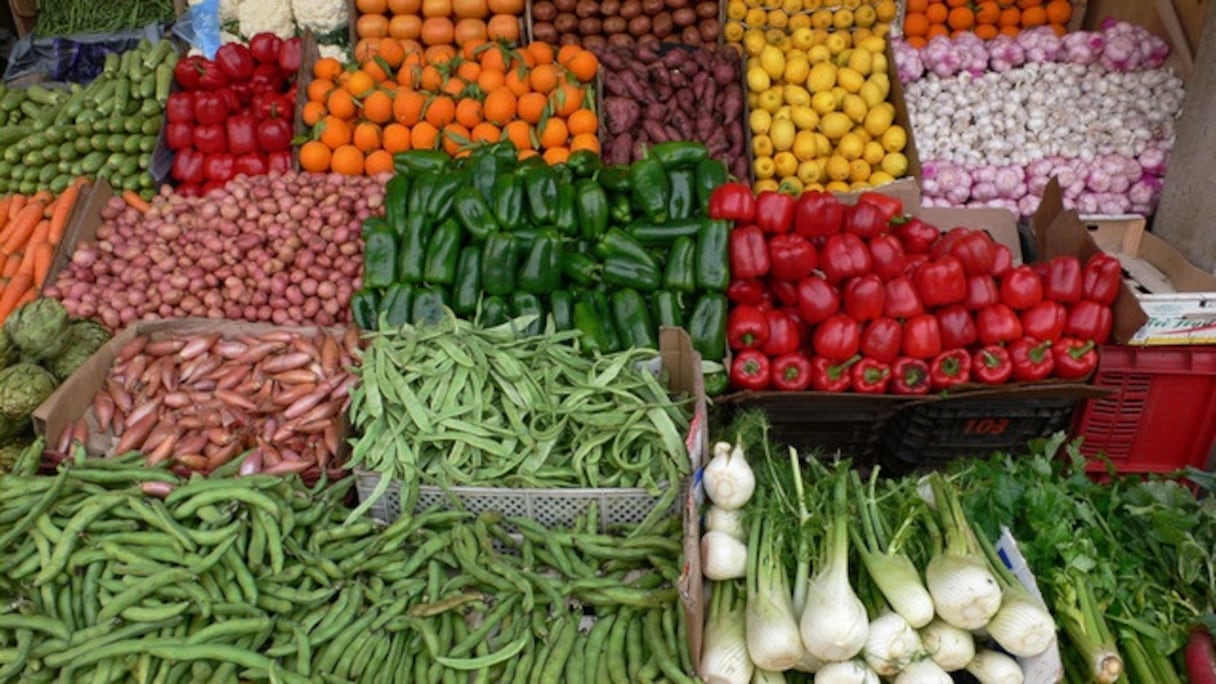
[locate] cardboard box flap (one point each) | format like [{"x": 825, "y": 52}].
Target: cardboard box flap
[{"x": 1128, "y": 238}]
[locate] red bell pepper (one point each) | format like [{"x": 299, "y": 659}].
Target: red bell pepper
[
  {"x": 783, "y": 334},
  {"x": 891, "y": 207},
  {"x": 916, "y": 236},
  {"x": 950, "y": 369},
  {"x": 785, "y": 291},
  {"x": 1064, "y": 280},
  {"x": 871, "y": 376},
  {"x": 817, "y": 300},
  {"x": 991, "y": 365},
  {"x": 219, "y": 167},
  {"x": 1021, "y": 288},
  {"x": 189, "y": 72},
  {"x": 210, "y": 108},
  {"x": 914, "y": 262},
  {"x": 901, "y": 300},
  {"x": 941, "y": 282},
  {"x": 843, "y": 256},
  {"x": 266, "y": 79},
  {"x": 998, "y": 323},
  {"x": 210, "y": 139},
  {"x": 272, "y": 105},
  {"x": 291, "y": 53},
  {"x": 1075, "y": 358},
  {"x": 281, "y": 161},
  {"x": 981, "y": 292},
  {"x": 179, "y": 108},
  {"x": 242, "y": 134},
  {"x": 188, "y": 166},
  {"x": 976, "y": 250},
  {"x": 750, "y": 370},
  {"x": 747, "y": 328},
  {"x": 922, "y": 337},
  {"x": 837, "y": 338},
  {"x": 946, "y": 242},
  {"x": 864, "y": 220},
  {"x": 178, "y": 135},
  {"x": 793, "y": 257},
  {"x": 829, "y": 375},
  {"x": 1032, "y": 359},
  {"x": 882, "y": 339},
  {"x": 213, "y": 77},
  {"x": 236, "y": 61},
  {"x": 1045, "y": 320},
  {"x": 1002, "y": 260},
  {"x": 804, "y": 330},
  {"x": 910, "y": 376},
  {"x": 265, "y": 47},
  {"x": 818, "y": 215},
  {"x": 252, "y": 164},
  {"x": 1103, "y": 279},
  {"x": 274, "y": 135},
  {"x": 957, "y": 327},
  {"x": 748, "y": 252},
  {"x": 1040, "y": 269},
  {"x": 775, "y": 212},
  {"x": 733, "y": 202},
  {"x": 886, "y": 256},
  {"x": 864, "y": 297},
  {"x": 1089, "y": 321},
  {"x": 791, "y": 372},
  {"x": 751, "y": 292}
]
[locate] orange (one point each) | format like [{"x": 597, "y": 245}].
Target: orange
[
  {"x": 455, "y": 138},
  {"x": 937, "y": 30},
  {"x": 543, "y": 78},
  {"x": 987, "y": 31},
  {"x": 378, "y": 107},
  {"x": 937, "y": 13},
  {"x": 371, "y": 6},
  {"x": 1059, "y": 11},
  {"x": 531, "y": 107},
  {"x": 1059, "y": 29},
  {"x": 454, "y": 86},
  {"x": 367, "y": 136},
  {"x": 957, "y": 3},
  {"x": 341, "y": 104},
  {"x": 327, "y": 68},
  {"x": 436, "y": 8},
  {"x": 517, "y": 82},
  {"x": 335, "y": 132},
  {"x": 424, "y": 136},
  {"x": 961, "y": 19},
  {"x": 404, "y": 6},
  {"x": 437, "y": 31},
  {"x": 378, "y": 161},
  {"x": 917, "y": 42},
  {"x": 1011, "y": 31},
  {"x": 441, "y": 111},
  {"x": 582, "y": 121},
  {"x": 1033, "y": 16},
  {"x": 396, "y": 138},
  {"x": 528, "y": 154},
  {"x": 1010, "y": 16},
  {"x": 410, "y": 76},
  {"x": 566, "y": 53},
  {"x": 553, "y": 133},
  {"x": 987, "y": 12},
  {"x": 519, "y": 133},
  {"x": 312, "y": 113},
  {"x": 542, "y": 53},
  {"x": 470, "y": 9},
  {"x": 471, "y": 49},
  {"x": 486, "y": 132},
  {"x": 916, "y": 25},
  {"x": 371, "y": 26},
  {"x": 585, "y": 141},
  {"x": 374, "y": 66},
  {"x": 503, "y": 27},
  {"x": 490, "y": 80},
  {"x": 500, "y": 106},
  {"x": 556, "y": 155},
  {"x": 567, "y": 99},
  {"x": 405, "y": 26},
  {"x": 392, "y": 51},
  {"x": 584, "y": 66},
  {"x": 492, "y": 58},
  {"x": 318, "y": 89},
  {"x": 1025, "y": 4},
  {"x": 469, "y": 31},
  {"x": 366, "y": 48},
  {"x": 469, "y": 71},
  {"x": 360, "y": 83},
  {"x": 917, "y": 6},
  {"x": 468, "y": 112},
  {"x": 314, "y": 156},
  {"x": 439, "y": 55},
  {"x": 432, "y": 78},
  {"x": 515, "y": 7},
  {"x": 347, "y": 160}
]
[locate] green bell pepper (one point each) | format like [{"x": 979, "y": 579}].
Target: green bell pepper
[
  {"x": 499, "y": 263},
  {"x": 414, "y": 162},
  {"x": 679, "y": 154},
  {"x": 541, "y": 186},
  {"x": 650, "y": 188},
  {"x": 632, "y": 319},
  {"x": 396, "y": 191},
  {"x": 591, "y": 208},
  {"x": 421, "y": 188},
  {"x": 580, "y": 268},
  {"x": 428, "y": 307},
  {"x": 565, "y": 215},
  {"x": 527, "y": 304},
  {"x": 364, "y": 308},
  {"x": 561, "y": 305},
  {"x": 483, "y": 169},
  {"x": 584, "y": 163},
  {"x": 396, "y": 307},
  {"x": 664, "y": 234},
  {"x": 711, "y": 173},
  {"x": 442, "y": 252},
  {"x": 621, "y": 210},
  {"x": 713, "y": 256},
  {"x": 603, "y": 309},
  {"x": 680, "y": 275},
  {"x": 589, "y": 322},
  {"x": 542, "y": 272},
  {"x": 617, "y": 242},
  {"x": 494, "y": 312},
  {"x": 526, "y": 237},
  {"x": 683, "y": 199},
  {"x": 474, "y": 214},
  {"x": 467, "y": 288},
  {"x": 411, "y": 249},
  {"x": 716, "y": 383},
  {"x": 626, "y": 262},
  {"x": 443, "y": 195},
  {"x": 669, "y": 309},
  {"x": 615, "y": 178},
  {"x": 379, "y": 255},
  {"x": 507, "y": 201},
  {"x": 707, "y": 326}
]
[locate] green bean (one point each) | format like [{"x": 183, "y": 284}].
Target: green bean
[
  {"x": 44, "y": 503},
  {"x": 141, "y": 590},
  {"x": 659, "y": 648},
  {"x": 71, "y": 533},
  {"x": 615, "y": 653},
  {"x": 595, "y": 646}
]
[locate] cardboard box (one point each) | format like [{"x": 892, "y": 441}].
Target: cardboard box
[{"x": 1178, "y": 298}]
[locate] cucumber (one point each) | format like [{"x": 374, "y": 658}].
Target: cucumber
[
  {"x": 27, "y": 187},
  {"x": 83, "y": 145},
  {"x": 115, "y": 142},
  {"x": 151, "y": 108},
  {"x": 60, "y": 183},
  {"x": 93, "y": 162},
  {"x": 114, "y": 124},
  {"x": 64, "y": 166},
  {"x": 54, "y": 135},
  {"x": 47, "y": 173},
  {"x": 147, "y": 86},
  {"x": 76, "y": 169},
  {"x": 151, "y": 126},
  {"x": 129, "y": 166},
  {"x": 145, "y": 160},
  {"x": 131, "y": 144},
  {"x": 67, "y": 151},
  {"x": 98, "y": 142},
  {"x": 147, "y": 143},
  {"x": 133, "y": 124},
  {"x": 34, "y": 159},
  {"x": 114, "y": 161}
]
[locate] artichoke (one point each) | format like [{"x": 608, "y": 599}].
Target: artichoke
[
  {"x": 9, "y": 455},
  {"x": 85, "y": 337},
  {"x": 22, "y": 388},
  {"x": 38, "y": 328},
  {"x": 8, "y": 351}
]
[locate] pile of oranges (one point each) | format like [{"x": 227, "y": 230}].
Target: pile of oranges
[
  {"x": 537, "y": 97},
  {"x": 424, "y": 23},
  {"x": 926, "y": 19}
]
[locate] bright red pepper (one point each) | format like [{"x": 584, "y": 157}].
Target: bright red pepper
[
  {"x": 864, "y": 220},
  {"x": 991, "y": 365},
  {"x": 998, "y": 323},
  {"x": 830, "y": 375},
  {"x": 976, "y": 250},
  {"x": 837, "y": 338},
  {"x": 785, "y": 291},
  {"x": 950, "y": 369},
  {"x": 748, "y": 253},
  {"x": 188, "y": 166},
  {"x": 1045, "y": 320},
  {"x": 210, "y": 108},
  {"x": 747, "y": 327},
  {"x": 750, "y": 370},
  {"x": 210, "y": 139},
  {"x": 236, "y": 61},
  {"x": 783, "y": 334},
  {"x": 914, "y": 262},
  {"x": 871, "y": 376},
  {"x": 219, "y": 167},
  {"x": 252, "y": 164},
  {"x": 1002, "y": 260},
  {"x": 843, "y": 256},
  {"x": 916, "y": 236},
  {"x": 178, "y": 135},
  {"x": 891, "y": 207},
  {"x": 242, "y": 134},
  {"x": 272, "y": 105},
  {"x": 791, "y": 372},
  {"x": 1075, "y": 358},
  {"x": 886, "y": 256},
  {"x": 922, "y": 337},
  {"x": 1040, "y": 269},
  {"x": 792, "y": 256},
  {"x": 804, "y": 330},
  {"x": 188, "y": 72},
  {"x": 941, "y": 282},
  {"x": 179, "y": 108},
  {"x": 266, "y": 79},
  {"x": 265, "y": 47},
  {"x": 882, "y": 339},
  {"x": 1032, "y": 359},
  {"x": 957, "y": 327},
  {"x": 1089, "y": 321},
  {"x": 212, "y": 78},
  {"x": 1064, "y": 280},
  {"x": 750, "y": 292},
  {"x": 1103, "y": 279},
  {"x": 274, "y": 135},
  {"x": 981, "y": 292},
  {"x": 188, "y": 190},
  {"x": 818, "y": 215},
  {"x": 946, "y": 242},
  {"x": 864, "y": 297},
  {"x": 733, "y": 202},
  {"x": 775, "y": 211},
  {"x": 281, "y": 161},
  {"x": 817, "y": 300},
  {"x": 910, "y": 376},
  {"x": 901, "y": 300},
  {"x": 1021, "y": 288},
  {"x": 291, "y": 53}
]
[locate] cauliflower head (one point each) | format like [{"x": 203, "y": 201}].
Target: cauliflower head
[
  {"x": 228, "y": 10},
  {"x": 321, "y": 16},
  {"x": 336, "y": 51},
  {"x": 272, "y": 16}
]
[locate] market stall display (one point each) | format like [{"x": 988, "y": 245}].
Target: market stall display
[{"x": 31, "y": 231}]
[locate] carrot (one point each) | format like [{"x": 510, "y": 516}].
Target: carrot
[
  {"x": 44, "y": 254},
  {"x": 5, "y": 203},
  {"x": 42, "y": 196},
  {"x": 13, "y": 292},
  {"x": 11, "y": 263},
  {"x": 16, "y": 206},
  {"x": 63, "y": 210},
  {"x": 23, "y": 227},
  {"x": 27, "y": 259},
  {"x": 29, "y": 296},
  {"x": 140, "y": 204}
]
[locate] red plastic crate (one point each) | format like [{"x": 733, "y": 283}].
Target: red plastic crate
[{"x": 1162, "y": 416}]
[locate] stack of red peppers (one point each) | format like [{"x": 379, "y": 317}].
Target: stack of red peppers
[
  {"x": 831, "y": 297},
  {"x": 233, "y": 114}
]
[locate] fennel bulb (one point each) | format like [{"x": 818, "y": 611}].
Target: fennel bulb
[
  {"x": 773, "y": 640},
  {"x": 728, "y": 479},
  {"x": 834, "y": 623},
  {"x": 993, "y": 667},
  {"x": 1022, "y": 626},
  {"x": 846, "y": 672},
  {"x": 948, "y": 646},
  {"x": 892, "y": 570},
  {"x": 891, "y": 644},
  {"x": 722, "y": 556},
  {"x": 767, "y": 677},
  {"x": 923, "y": 672},
  {"x": 808, "y": 663},
  {"x": 723, "y": 520},
  {"x": 965, "y": 592},
  {"x": 724, "y": 658}
]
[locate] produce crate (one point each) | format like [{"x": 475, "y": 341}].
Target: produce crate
[
  {"x": 576, "y": 35},
  {"x": 1162, "y": 415},
  {"x": 92, "y": 198},
  {"x": 560, "y": 507}
]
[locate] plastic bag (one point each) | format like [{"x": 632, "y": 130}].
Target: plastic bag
[
  {"x": 78, "y": 59},
  {"x": 200, "y": 27}
]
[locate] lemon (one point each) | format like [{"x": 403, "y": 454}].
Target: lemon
[
  {"x": 861, "y": 61},
  {"x": 804, "y": 145},
  {"x": 860, "y": 34},
  {"x": 799, "y": 22},
  {"x": 861, "y": 134},
  {"x": 753, "y": 39},
  {"x": 874, "y": 44},
  {"x": 822, "y": 77},
  {"x": 762, "y": 146},
  {"x": 850, "y": 79},
  {"x": 791, "y": 7},
  {"x": 859, "y": 170},
  {"x": 894, "y": 139},
  {"x": 822, "y": 19},
  {"x": 758, "y": 80},
  {"x": 821, "y": 35},
  {"x": 822, "y": 163},
  {"x": 839, "y": 93},
  {"x": 797, "y": 68},
  {"x": 881, "y": 177},
  {"x": 870, "y": 94},
  {"x": 752, "y": 100},
  {"x": 877, "y": 121},
  {"x": 823, "y": 103},
  {"x": 864, "y": 17},
  {"x": 809, "y": 173},
  {"x": 837, "y": 42},
  {"x": 802, "y": 38},
  {"x": 786, "y": 164},
  {"x": 771, "y": 4},
  {"x": 777, "y": 37},
  {"x": 772, "y": 60},
  {"x": 819, "y": 54},
  {"x": 765, "y": 185},
  {"x": 880, "y": 63},
  {"x": 811, "y": 5},
  {"x": 895, "y": 163},
  {"x": 777, "y": 18},
  {"x": 850, "y": 146},
  {"x": 834, "y": 125},
  {"x": 797, "y": 96},
  {"x": 736, "y": 9},
  {"x": 842, "y": 20},
  {"x": 836, "y": 186},
  {"x": 760, "y": 121},
  {"x": 764, "y": 167},
  {"x": 837, "y": 167},
  {"x": 885, "y": 10},
  {"x": 785, "y": 112},
  {"x": 854, "y": 107},
  {"x": 753, "y": 3},
  {"x": 771, "y": 99},
  {"x": 782, "y": 134},
  {"x": 733, "y": 32},
  {"x": 805, "y": 118},
  {"x": 792, "y": 186},
  {"x": 823, "y": 146},
  {"x": 883, "y": 82},
  {"x": 873, "y": 152}
]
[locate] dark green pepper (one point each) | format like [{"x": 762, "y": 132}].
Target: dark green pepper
[
  {"x": 707, "y": 326},
  {"x": 713, "y": 256},
  {"x": 561, "y": 305},
  {"x": 679, "y": 154},
  {"x": 483, "y": 169},
  {"x": 428, "y": 308},
  {"x": 584, "y": 163},
  {"x": 542, "y": 269},
  {"x": 626, "y": 272},
  {"x": 528, "y": 304},
  {"x": 364, "y": 308},
  {"x": 442, "y": 252},
  {"x": 421, "y": 189},
  {"x": 526, "y": 237},
  {"x": 632, "y": 319},
  {"x": 591, "y": 208},
  {"x": 499, "y": 263},
  {"x": 507, "y": 201},
  {"x": 588, "y": 322},
  {"x": 711, "y": 173},
  {"x": 396, "y": 307},
  {"x": 669, "y": 309},
  {"x": 443, "y": 194},
  {"x": 541, "y": 185},
  {"x": 411, "y": 249},
  {"x": 621, "y": 210},
  {"x": 565, "y": 216},
  {"x": 680, "y": 275},
  {"x": 474, "y": 213},
  {"x": 414, "y": 162},
  {"x": 664, "y": 234},
  {"x": 467, "y": 289},
  {"x": 396, "y": 192},
  {"x": 494, "y": 312},
  {"x": 683, "y": 199},
  {"x": 379, "y": 255},
  {"x": 615, "y": 178},
  {"x": 617, "y": 242},
  {"x": 650, "y": 188},
  {"x": 580, "y": 268},
  {"x": 716, "y": 383},
  {"x": 603, "y": 308}
]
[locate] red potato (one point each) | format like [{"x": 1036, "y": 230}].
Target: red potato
[
  {"x": 707, "y": 9},
  {"x": 590, "y": 26},
  {"x": 684, "y": 17},
  {"x": 544, "y": 32},
  {"x": 565, "y": 5},
  {"x": 630, "y": 9},
  {"x": 614, "y": 25},
  {"x": 544, "y": 11},
  {"x": 586, "y": 8},
  {"x": 610, "y": 8},
  {"x": 662, "y": 25},
  {"x": 565, "y": 23}
]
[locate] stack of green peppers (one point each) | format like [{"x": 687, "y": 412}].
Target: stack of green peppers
[{"x": 613, "y": 251}]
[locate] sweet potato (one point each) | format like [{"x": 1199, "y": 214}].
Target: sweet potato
[
  {"x": 686, "y": 100},
  {"x": 620, "y": 150},
  {"x": 732, "y": 102},
  {"x": 717, "y": 143},
  {"x": 655, "y": 111},
  {"x": 737, "y": 140},
  {"x": 621, "y": 114},
  {"x": 654, "y": 130},
  {"x": 711, "y": 92},
  {"x": 698, "y": 86},
  {"x": 679, "y": 80},
  {"x": 739, "y": 168},
  {"x": 705, "y": 125},
  {"x": 675, "y": 58},
  {"x": 682, "y": 123},
  {"x": 725, "y": 71},
  {"x": 634, "y": 87}
]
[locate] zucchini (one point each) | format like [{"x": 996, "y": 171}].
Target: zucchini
[{"x": 93, "y": 162}]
